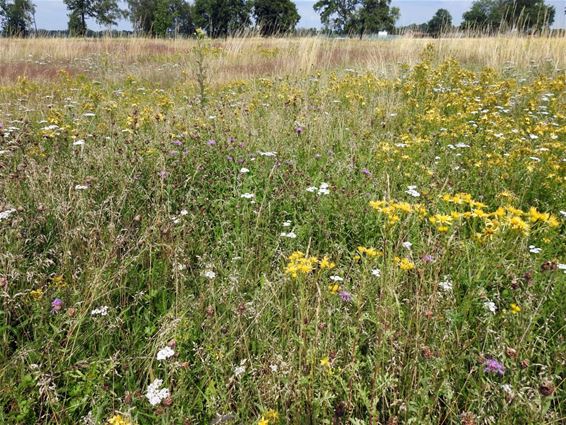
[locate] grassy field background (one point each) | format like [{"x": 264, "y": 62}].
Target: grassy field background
[{"x": 273, "y": 231}]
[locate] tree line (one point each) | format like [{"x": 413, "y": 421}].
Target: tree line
[{"x": 221, "y": 18}]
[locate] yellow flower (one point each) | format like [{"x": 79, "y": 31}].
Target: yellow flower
[
  {"x": 58, "y": 280},
  {"x": 370, "y": 252},
  {"x": 325, "y": 362},
  {"x": 325, "y": 263},
  {"x": 272, "y": 415},
  {"x": 263, "y": 421},
  {"x": 118, "y": 420},
  {"x": 334, "y": 288},
  {"x": 36, "y": 294},
  {"x": 405, "y": 264},
  {"x": 517, "y": 223},
  {"x": 515, "y": 308}
]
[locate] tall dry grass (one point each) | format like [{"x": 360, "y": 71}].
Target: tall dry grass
[{"x": 241, "y": 58}]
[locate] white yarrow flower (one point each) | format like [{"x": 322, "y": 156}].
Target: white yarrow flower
[
  {"x": 490, "y": 306},
  {"x": 244, "y": 170},
  {"x": 412, "y": 190},
  {"x": 446, "y": 284},
  {"x": 290, "y": 235},
  {"x": 5, "y": 214},
  {"x": 407, "y": 245},
  {"x": 534, "y": 250},
  {"x": 100, "y": 311},
  {"x": 81, "y": 187},
  {"x": 209, "y": 274},
  {"x": 336, "y": 279},
  {"x": 376, "y": 272},
  {"x": 239, "y": 370},
  {"x": 165, "y": 353},
  {"x": 247, "y": 195},
  {"x": 155, "y": 394}
]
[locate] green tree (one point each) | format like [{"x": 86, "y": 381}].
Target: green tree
[
  {"x": 337, "y": 15},
  {"x": 221, "y": 18},
  {"x": 16, "y": 17},
  {"x": 160, "y": 17},
  {"x": 105, "y": 12},
  {"x": 275, "y": 16},
  {"x": 375, "y": 16},
  {"x": 441, "y": 21},
  {"x": 496, "y": 15}
]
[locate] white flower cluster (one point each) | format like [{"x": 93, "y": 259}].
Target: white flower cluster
[
  {"x": 490, "y": 306},
  {"x": 155, "y": 394},
  {"x": 5, "y": 214},
  {"x": 412, "y": 190},
  {"x": 446, "y": 284},
  {"x": 322, "y": 190},
  {"x": 165, "y": 353},
  {"x": 100, "y": 311},
  {"x": 209, "y": 274}
]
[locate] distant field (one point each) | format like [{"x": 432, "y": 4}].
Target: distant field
[{"x": 283, "y": 231}]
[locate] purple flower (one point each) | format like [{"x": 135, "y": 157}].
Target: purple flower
[
  {"x": 427, "y": 258},
  {"x": 299, "y": 130},
  {"x": 56, "y": 305},
  {"x": 366, "y": 172},
  {"x": 229, "y": 158},
  {"x": 211, "y": 142},
  {"x": 493, "y": 366},
  {"x": 163, "y": 174},
  {"x": 177, "y": 142},
  {"x": 345, "y": 296}
]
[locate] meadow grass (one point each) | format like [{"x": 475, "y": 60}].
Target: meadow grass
[{"x": 338, "y": 232}]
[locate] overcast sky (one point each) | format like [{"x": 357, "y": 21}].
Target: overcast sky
[{"x": 52, "y": 14}]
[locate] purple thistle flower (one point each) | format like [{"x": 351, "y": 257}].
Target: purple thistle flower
[
  {"x": 345, "y": 296},
  {"x": 211, "y": 142},
  {"x": 177, "y": 142},
  {"x": 427, "y": 258},
  {"x": 163, "y": 174},
  {"x": 56, "y": 305},
  {"x": 493, "y": 366},
  {"x": 299, "y": 130},
  {"x": 366, "y": 172}
]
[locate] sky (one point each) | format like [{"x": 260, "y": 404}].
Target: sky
[{"x": 52, "y": 14}]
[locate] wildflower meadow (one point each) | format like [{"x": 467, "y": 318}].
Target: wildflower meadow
[{"x": 283, "y": 231}]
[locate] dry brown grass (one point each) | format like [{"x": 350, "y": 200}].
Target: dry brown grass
[{"x": 241, "y": 58}]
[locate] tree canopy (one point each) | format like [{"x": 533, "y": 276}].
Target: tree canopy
[
  {"x": 495, "y": 15},
  {"x": 440, "y": 22},
  {"x": 16, "y": 17},
  {"x": 275, "y": 16},
  {"x": 105, "y": 12},
  {"x": 357, "y": 16}
]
